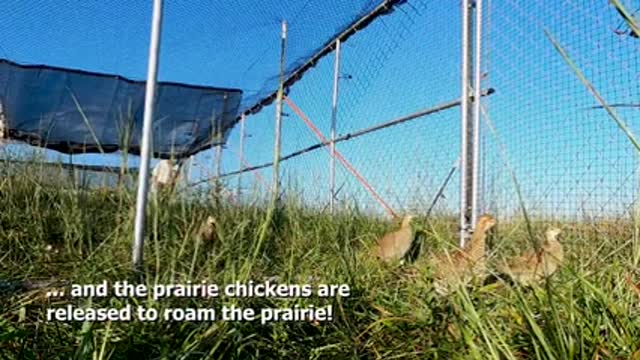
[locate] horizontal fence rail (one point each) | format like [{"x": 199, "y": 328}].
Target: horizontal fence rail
[{"x": 353, "y": 135}]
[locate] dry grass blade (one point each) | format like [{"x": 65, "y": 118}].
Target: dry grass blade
[
  {"x": 628, "y": 18},
  {"x": 512, "y": 174},
  {"x": 610, "y": 110},
  {"x": 86, "y": 121}
]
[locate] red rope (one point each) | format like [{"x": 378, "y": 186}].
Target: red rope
[{"x": 341, "y": 158}]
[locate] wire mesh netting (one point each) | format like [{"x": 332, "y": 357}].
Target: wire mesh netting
[
  {"x": 224, "y": 45},
  {"x": 403, "y": 63},
  {"x": 570, "y": 158},
  {"x": 77, "y": 176},
  {"x": 221, "y": 46}
]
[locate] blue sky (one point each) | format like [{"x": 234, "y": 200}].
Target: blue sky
[{"x": 570, "y": 160}]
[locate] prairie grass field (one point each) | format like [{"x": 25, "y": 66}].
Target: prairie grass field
[{"x": 50, "y": 229}]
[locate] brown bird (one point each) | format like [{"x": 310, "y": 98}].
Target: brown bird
[
  {"x": 464, "y": 264},
  {"x": 533, "y": 266},
  {"x": 395, "y": 245},
  {"x": 208, "y": 231}
]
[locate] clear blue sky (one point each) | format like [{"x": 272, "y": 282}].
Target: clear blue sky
[{"x": 569, "y": 159}]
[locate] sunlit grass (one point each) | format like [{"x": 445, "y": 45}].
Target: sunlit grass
[{"x": 588, "y": 310}]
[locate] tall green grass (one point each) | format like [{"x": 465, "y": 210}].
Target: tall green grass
[
  {"x": 586, "y": 311},
  {"x": 53, "y": 229}
]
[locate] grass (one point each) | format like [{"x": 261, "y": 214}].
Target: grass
[
  {"x": 589, "y": 310},
  {"x": 53, "y": 229}
]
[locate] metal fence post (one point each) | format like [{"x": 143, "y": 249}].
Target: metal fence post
[
  {"x": 187, "y": 172},
  {"x": 2, "y": 124},
  {"x": 241, "y": 155},
  {"x": 220, "y": 136},
  {"x": 143, "y": 181},
  {"x": 466, "y": 125},
  {"x": 275, "y": 190},
  {"x": 334, "y": 113},
  {"x": 218, "y": 161},
  {"x": 477, "y": 75}
]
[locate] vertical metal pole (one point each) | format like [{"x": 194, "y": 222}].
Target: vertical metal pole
[
  {"x": 275, "y": 191},
  {"x": 218, "y": 161},
  {"x": 143, "y": 181},
  {"x": 636, "y": 217},
  {"x": 2, "y": 124},
  {"x": 72, "y": 171},
  {"x": 465, "y": 176},
  {"x": 477, "y": 72},
  {"x": 220, "y": 137},
  {"x": 187, "y": 171},
  {"x": 334, "y": 113},
  {"x": 241, "y": 155}
]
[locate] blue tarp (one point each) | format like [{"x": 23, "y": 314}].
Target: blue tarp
[
  {"x": 234, "y": 45},
  {"x": 74, "y": 111}
]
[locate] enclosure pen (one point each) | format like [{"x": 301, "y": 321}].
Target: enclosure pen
[{"x": 387, "y": 179}]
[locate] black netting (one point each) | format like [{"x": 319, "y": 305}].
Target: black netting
[{"x": 232, "y": 45}]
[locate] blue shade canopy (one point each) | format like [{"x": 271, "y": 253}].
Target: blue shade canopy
[
  {"x": 80, "y": 112},
  {"x": 231, "y": 45}
]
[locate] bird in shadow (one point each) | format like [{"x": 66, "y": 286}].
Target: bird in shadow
[
  {"x": 463, "y": 265},
  {"x": 416, "y": 247},
  {"x": 533, "y": 266},
  {"x": 208, "y": 231}
]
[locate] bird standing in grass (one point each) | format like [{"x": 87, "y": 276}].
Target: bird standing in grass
[
  {"x": 395, "y": 245},
  {"x": 208, "y": 231},
  {"x": 464, "y": 264},
  {"x": 533, "y": 265}
]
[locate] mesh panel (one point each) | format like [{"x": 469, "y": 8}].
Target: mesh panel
[{"x": 571, "y": 160}]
